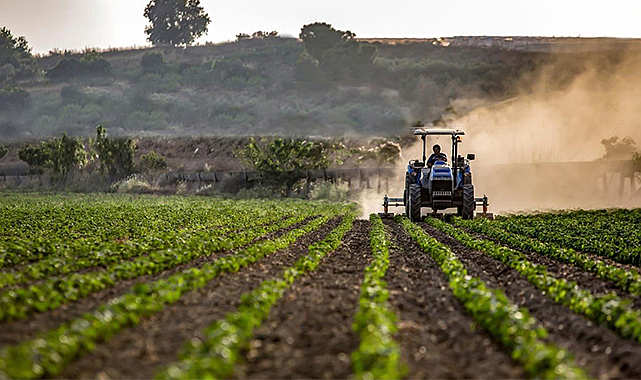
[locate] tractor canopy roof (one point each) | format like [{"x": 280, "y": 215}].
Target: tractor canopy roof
[{"x": 438, "y": 132}]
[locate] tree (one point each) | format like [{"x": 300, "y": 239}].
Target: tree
[
  {"x": 282, "y": 160},
  {"x": 338, "y": 53},
  {"x": 616, "y": 149},
  {"x": 116, "y": 155},
  {"x": 175, "y": 22},
  {"x": 319, "y": 37},
  {"x": 16, "y": 60}
]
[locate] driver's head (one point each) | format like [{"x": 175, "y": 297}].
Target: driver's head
[{"x": 437, "y": 149}]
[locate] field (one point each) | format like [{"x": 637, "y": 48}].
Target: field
[{"x": 115, "y": 286}]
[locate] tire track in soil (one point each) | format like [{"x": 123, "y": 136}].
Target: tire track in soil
[
  {"x": 28, "y": 328},
  {"x": 586, "y": 280},
  {"x": 598, "y": 349},
  {"x": 435, "y": 332},
  {"x": 140, "y": 351},
  {"x": 308, "y": 333}
]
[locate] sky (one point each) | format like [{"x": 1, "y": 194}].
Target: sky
[{"x": 76, "y": 24}]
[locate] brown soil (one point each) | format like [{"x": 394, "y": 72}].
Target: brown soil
[
  {"x": 435, "y": 333},
  {"x": 309, "y": 332},
  {"x": 601, "y": 351},
  {"x": 17, "y": 331},
  {"x": 141, "y": 351}
]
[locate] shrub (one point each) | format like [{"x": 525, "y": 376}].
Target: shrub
[
  {"x": 153, "y": 161},
  {"x": 153, "y": 63},
  {"x": 91, "y": 63}
]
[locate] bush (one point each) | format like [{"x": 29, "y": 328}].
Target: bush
[
  {"x": 153, "y": 161},
  {"x": 153, "y": 63},
  {"x": 91, "y": 64}
]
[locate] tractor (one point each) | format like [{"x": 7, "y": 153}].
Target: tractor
[{"x": 440, "y": 186}]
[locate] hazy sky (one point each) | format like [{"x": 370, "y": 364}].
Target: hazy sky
[{"x": 103, "y": 23}]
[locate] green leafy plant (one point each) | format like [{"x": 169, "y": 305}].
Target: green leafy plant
[
  {"x": 626, "y": 279},
  {"x": 378, "y": 355}
]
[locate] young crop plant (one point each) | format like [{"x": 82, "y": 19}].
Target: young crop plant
[
  {"x": 49, "y": 354},
  {"x": 626, "y": 279},
  {"x": 378, "y": 355},
  {"x": 18, "y": 303},
  {"x": 602, "y": 235},
  {"x": 75, "y": 257},
  {"x": 510, "y": 326},
  {"x": 216, "y": 356},
  {"x": 609, "y": 309}
]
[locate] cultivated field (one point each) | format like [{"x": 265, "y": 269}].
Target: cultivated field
[{"x": 112, "y": 286}]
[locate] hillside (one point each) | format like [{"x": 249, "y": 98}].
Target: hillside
[{"x": 259, "y": 86}]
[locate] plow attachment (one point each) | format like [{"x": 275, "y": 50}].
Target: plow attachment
[{"x": 400, "y": 202}]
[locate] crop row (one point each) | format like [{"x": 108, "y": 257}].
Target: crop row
[
  {"x": 17, "y": 303},
  {"x": 614, "y": 226},
  {"x": 107, "y": 227},
  {"x": 626, "y": 279},
  {"x": 582, "y": 235},
  {"x": 48, "y": 354},
  {"x": 378, "y": 355},
  {"x": 215, "y": 356},
  {"x": 512, "y": 327},
  {"x": 607, "y": 309},
  {"x": 74, "y": 258}
]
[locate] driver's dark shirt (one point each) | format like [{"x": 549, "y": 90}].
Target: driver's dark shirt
[{"x": 435, "y": 157}]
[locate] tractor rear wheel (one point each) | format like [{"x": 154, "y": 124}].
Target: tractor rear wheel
[
  {"x": 414, "y": 203},
  {"x": 467, "y": 211},
  {"x": 406, "y": 202}
]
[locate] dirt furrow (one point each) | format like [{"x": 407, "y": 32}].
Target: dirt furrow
[
  {"x": 28, "y": 328},
  {"x": 141, "y": 351},
  {"x": 601, "y": 351},
  {"x": 309, "y": 332},
  {"x": 436, "y": 335}
]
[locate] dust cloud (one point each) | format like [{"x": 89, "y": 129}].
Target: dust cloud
[{"x": 537, "y": 151}]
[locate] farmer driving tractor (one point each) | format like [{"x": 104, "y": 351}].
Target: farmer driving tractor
[{"x": 436, "y": 156}]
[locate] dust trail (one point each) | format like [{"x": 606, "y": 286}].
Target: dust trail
[{"x": 521, "y": 144}]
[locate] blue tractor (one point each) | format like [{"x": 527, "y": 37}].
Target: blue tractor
[{"x": 442, "y": 184}]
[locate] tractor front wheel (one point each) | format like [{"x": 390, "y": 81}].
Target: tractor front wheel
[
  {"x": 414, "y": 203},
  {"x": 467, "y": 211}
]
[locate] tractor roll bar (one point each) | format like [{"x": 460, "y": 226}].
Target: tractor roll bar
[{"x": 438, "y": 132}]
